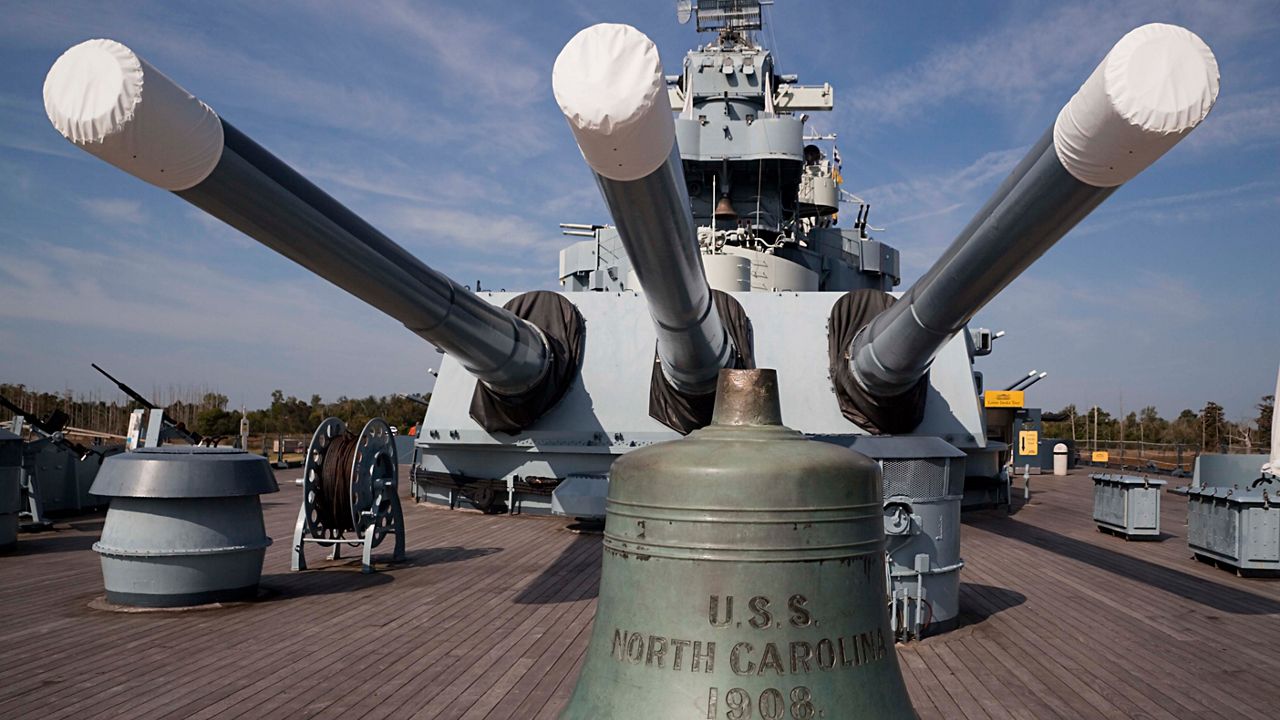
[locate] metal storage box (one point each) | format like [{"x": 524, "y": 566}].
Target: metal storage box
[
  {"x": 1236, "y": 527},
  {"x": 1127, "y": 505}
]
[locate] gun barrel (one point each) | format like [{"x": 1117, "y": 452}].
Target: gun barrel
[
  {"x": 1033, "y": 381},
  {"x": 111, "y": 103},
  {"x": 1014, "y": 385},
  {"x": 1155, "y": 86},
  {"x": 137, "y": 396},
  {"x": 609, "y": 84}
]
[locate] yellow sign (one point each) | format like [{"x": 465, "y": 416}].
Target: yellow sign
[
  {"x": 1101, "y": 456},
  {"x": 1002, "y": 398},
  {"x": 1028, "y": 442}
]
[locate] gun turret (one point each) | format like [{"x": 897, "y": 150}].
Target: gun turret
[
  {"x": 609, "y": 83},
  {"x": 1014, "y": 385},
  {"x": 1155, "y": 86},
  {"x": 1031, "y": 381},
  {"x": 111, "y": 103}
]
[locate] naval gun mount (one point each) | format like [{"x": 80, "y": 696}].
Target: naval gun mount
[{"x": 538, "y": 393}]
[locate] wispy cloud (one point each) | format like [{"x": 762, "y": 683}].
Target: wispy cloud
[
  {"x": 1027, "y": 61},
  {"x": 1243, "y": 119},
  {"x": 475, "y": 230},
  {"x": 942, "y": 196},
  {"x": 168, "y": 297},
  {"x": 397, "y": 181},
  {"x": 1191, "y": 209},
  {"x": 115, "y": 210},
  {"x": 487, "y": 62}
]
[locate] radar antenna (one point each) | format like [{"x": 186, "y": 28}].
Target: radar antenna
[
  {"x": 684, "y": 11},
  {"x": 728, "y": 17}
]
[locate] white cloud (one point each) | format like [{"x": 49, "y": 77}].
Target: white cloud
[
  {"x": 115, "y": 210},
  {"x": 1240, "y": 119},
  {"x": 163, "y": 296},
  {"x": 492, "y": 65},
  {"x": 944, "y": 196},
  {"x": 474, "y": 230},
  {"x": 1183, "y": 209},
  {"x": 1027, "y": 61}
]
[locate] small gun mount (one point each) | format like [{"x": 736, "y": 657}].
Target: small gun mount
[{"x": 160, "y": 426}]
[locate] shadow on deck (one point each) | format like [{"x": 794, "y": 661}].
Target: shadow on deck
[{"x": 1223, "y": 598}]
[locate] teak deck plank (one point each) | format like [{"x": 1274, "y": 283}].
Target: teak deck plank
[{"x": 491, "y": 615}]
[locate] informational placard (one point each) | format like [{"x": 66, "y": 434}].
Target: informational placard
[
  {"x": 1028, "y": 442},
  {"x": 1003, "y": 398},
  {"x": 1101, "y": 456}
]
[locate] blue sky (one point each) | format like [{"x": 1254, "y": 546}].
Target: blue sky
[{"x": 436, "y": 122}]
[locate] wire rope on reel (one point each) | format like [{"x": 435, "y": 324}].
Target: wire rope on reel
[{"x": 350, "y": 491}]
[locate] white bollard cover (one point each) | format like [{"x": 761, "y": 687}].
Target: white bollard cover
[
  {"x": 111, "y": 103},
  {"x": 609, "y": 84},
  {"x": 1154, "y": 87}
]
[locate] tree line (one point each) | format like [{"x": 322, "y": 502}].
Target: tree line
[
  {"x": 1208, "y": 429},
  {"x": 208, "y": 414}
]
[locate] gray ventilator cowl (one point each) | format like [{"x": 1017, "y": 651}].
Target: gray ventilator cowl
[{"x": 184, "y": 527}]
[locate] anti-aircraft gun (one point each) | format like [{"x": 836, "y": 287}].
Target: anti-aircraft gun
[
  {"x": 150, "y": 425},
  {"x": 56, "y": 472},
  {"x": 528, "y": 416}
]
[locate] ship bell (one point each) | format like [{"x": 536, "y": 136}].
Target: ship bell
[
  {"x": 743, "y": 577},
  {"x": 724, "y": 209}
]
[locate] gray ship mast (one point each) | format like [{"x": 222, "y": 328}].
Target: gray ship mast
[{"x": 764, "y": 195}]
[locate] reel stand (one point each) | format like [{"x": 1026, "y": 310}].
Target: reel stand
[{"x": 370, "y": 480}]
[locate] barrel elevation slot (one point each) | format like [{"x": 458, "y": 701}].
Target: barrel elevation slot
[
  {"x": 685, "y": 412},
  {"x": 563, "y": 329},
  {"x": 878, "y": 415}
]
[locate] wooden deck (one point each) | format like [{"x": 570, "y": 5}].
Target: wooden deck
[{"x": 490, "y": 617}]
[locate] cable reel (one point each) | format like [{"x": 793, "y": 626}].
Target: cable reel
[{"x": 350, "y": 492}]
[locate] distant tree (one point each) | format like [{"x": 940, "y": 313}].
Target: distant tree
[
  {"x": 1212, "y": 427},
  {"x": 1152, "y": 427},
  {"x": 1185, "y": 429},
  {"x": 216, "y": 422},
  {"x": 1063, "y": 428},
  {"x": 1129, "y": 428},
  {"x": 1265, "y": 410}
]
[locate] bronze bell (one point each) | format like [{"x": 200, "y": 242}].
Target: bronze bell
[
  {"x": 743, "y": 577},
  {"x": 724, "y": 209}
]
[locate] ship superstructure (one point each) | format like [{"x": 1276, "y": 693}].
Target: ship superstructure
[{"x": 764, "y": 189}]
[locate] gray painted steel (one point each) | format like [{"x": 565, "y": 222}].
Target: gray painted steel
[
  {"x": 184, "y": 527},
  {"x": 184, "y": 471},
  {"x": 923, "y": 485},
  {"x": 256, "y": 193},
  {"x": 10, "y": 488},
  {"x": 1227, "y": 470},
  {"x": 734, "y": 553},
  {"x": 656, "y": 228},
  {"x": 603, "y": 415},
  {"x": 1233, "y": 517},
  {"x": 1034, "y": 207},
  {"x": 1127, "y": 505},
  {"x": 1237, "y": 528},
  {"x": 61, "y": 477}
]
